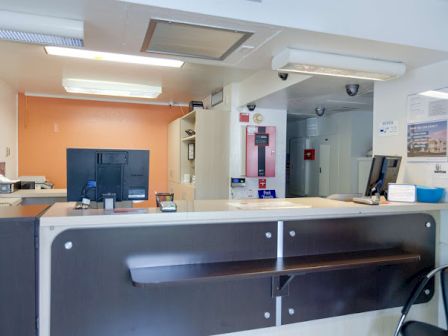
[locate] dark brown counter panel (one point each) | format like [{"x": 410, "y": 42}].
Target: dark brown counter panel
[
  {"x": 18, "y": 269},
  {"x": 199, "y": 279}
]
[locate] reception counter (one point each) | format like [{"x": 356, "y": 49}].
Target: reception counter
[{"x": 308, "y": 266}]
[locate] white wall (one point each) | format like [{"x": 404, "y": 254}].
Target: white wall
[
  {"x": 8, "y": 128},
  {"x": 237, "y": 138},
  {"x": 272, "y": 117},
  {"x": 390, "y": 103},
  {"x": 350, "y": 137}
]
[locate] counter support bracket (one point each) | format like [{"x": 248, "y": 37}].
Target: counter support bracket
[{"x": 280, "y": 285}]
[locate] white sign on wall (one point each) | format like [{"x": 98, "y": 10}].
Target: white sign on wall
[{"x": 388, "y": 128}]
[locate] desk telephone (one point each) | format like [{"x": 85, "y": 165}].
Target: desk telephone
[{"x": 168, "y": 206}]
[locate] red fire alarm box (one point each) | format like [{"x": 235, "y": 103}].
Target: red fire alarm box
[
  {"x": 244, "y": 117},
  {"x": 260, "y": 151},
  {"x": 261, "y": 183},
  {"x": 309, "y": 154}
]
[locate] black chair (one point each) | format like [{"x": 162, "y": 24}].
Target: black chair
[{"x": 414, "y": 328}]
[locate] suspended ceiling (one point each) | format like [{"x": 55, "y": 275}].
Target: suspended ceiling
[{"x": 121, "y": 27}]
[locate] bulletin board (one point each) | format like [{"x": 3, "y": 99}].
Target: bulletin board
[{"x": 427, "y": 122}]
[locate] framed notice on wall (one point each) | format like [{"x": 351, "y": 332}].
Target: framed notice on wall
[
  {"x": 191, "y": 151},
  {"x": 427, "y": 118},
  {"x": 217, "y": 97}
]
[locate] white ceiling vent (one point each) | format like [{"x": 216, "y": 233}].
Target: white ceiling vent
[{"x": 189, "y": 40}]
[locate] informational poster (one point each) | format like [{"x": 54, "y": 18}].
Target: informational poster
[
  {"x": 427, "y": 140},
  {"x": 427, "y": 126},
  {"x": 417, "y": 107}
]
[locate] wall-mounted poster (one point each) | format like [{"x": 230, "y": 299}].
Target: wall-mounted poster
[
  {"x": 427, "y": 140},
  {"x": 427, "y": 126}
]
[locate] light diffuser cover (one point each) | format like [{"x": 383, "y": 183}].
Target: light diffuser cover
[
  {"x": 105, "y": 88},
  {"x": 112, "y": 57},
  {"x": 319, "y": 63},
  {"x": 36, "y": 29}
]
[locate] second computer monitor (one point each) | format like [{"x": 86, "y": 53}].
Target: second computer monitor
[
  {"x": 92, "y": 173},
  {"x": 384, "y": 170}
]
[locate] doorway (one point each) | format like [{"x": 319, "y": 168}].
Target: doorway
[
  {"x": 299, "y": 169},
  {"x": 324, "y": 169}
]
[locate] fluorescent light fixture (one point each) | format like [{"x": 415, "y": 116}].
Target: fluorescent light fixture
[
  {"x": 36, "y": 29},
  {"x": 112, "y": 57},
  {"x": 435, "y": 94},
  {"x": 103, "y": 88},
  {"x": 319, "y": 63}
]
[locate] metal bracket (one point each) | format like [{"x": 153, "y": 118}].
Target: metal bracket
[{"x": 280, "y": 285}]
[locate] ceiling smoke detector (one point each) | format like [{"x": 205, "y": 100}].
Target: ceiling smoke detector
[
  {"x": 320, "y": 111},
  {"x": 191, "y": 40}
]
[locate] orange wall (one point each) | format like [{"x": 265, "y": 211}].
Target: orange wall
[{"x": 47, "y": 126}]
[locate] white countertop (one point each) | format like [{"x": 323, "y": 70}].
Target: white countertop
[
  {"x": 30, "y": 193},
  {"x": 7, "y": 201},
  {"x": 218, "y": 211}
]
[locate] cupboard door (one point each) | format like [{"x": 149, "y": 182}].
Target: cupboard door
[
  {"x": 212, "y": 154},
  {"x": 174, "y": 151}
]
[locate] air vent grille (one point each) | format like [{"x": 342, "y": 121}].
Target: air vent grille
[{"x": 191, "y": 40}]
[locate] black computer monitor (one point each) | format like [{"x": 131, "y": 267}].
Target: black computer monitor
[
  {"x": 92, "y": 173},
  {"x": 384, "y": 170}
]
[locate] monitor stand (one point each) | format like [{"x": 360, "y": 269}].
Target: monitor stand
[
  {"x": 100, "y": 205},
  {"x": 118, "y": 205}
]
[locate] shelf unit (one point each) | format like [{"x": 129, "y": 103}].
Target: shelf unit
[
  {"x": 291, "y": 266},
  {"x": 191, "y": 138},
  {"x": 210, "y": 164}
]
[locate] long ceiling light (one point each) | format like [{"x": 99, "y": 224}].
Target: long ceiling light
[
  {"x": 319, "y": 63},
  {"x": 36, "y": 29},
  {"x": 112, "y": 57},
  {"x": 435, "y": 94},
  {"x": 103, "y": 88}
]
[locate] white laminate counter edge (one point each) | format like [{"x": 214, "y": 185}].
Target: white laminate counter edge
[
  {"x": 209, "y": 212},
  {"x": 10, "y": 201}
]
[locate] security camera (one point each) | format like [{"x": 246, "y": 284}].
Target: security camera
[
  {"x": 251, "y": 107},
  {"x": 352, "y": 89},
  {"x": 320, "y": 111},
  {"x": 283, "y": 76}
]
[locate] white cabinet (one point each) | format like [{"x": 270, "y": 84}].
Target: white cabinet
[{"x": 210, "y": 165}]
